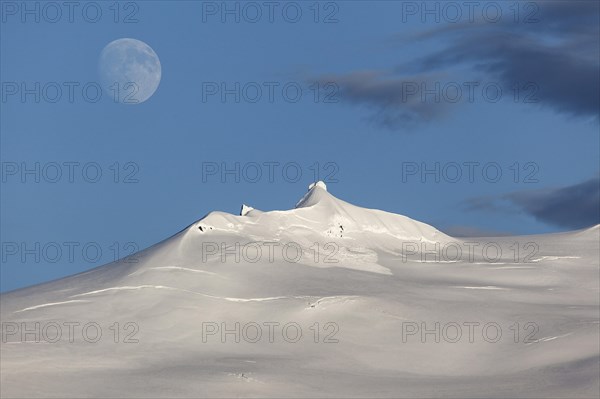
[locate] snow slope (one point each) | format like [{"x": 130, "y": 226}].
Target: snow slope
[{"x": 386, "y": 307}]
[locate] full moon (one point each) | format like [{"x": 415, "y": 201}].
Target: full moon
[{"x": 130, "y": 70}]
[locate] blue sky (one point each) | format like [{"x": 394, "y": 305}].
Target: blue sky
[{"x": 369, "y": 132}]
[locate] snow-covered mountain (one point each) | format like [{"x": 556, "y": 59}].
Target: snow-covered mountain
[{"x": 326, "y": 299}]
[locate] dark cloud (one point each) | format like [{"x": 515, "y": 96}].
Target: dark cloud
[
  {"x": 396, "y": 100},
  {"x": 554, "y": 60},
  {"x": 564, "y": 70},
  {"x": 572, "y": 17},
  {"x": 573, "y": 207}
]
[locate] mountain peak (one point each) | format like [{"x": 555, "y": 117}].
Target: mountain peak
[
  {"x": 318, "y": 184},
  {"x": 245, "y": 210},
  {"x": 317, "y": 192}
]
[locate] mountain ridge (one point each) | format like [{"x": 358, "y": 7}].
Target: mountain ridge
[{"x": 348, "y": 279}]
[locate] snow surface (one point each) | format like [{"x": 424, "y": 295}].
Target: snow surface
[{"x": 373, "y": 285}]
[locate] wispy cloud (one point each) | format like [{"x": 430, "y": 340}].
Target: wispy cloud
[
  {"x": 557, "y": 56},
  {"x": 394, "y": 100}
]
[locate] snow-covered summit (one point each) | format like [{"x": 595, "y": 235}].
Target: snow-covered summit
[
  {"x": 245, "y": 210},
  {"x": 319, "y": 184},
  {"x": 320, "y": 214},
  {"x": 316, "y": 192},
  {"x": 341, "y": 274}
]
